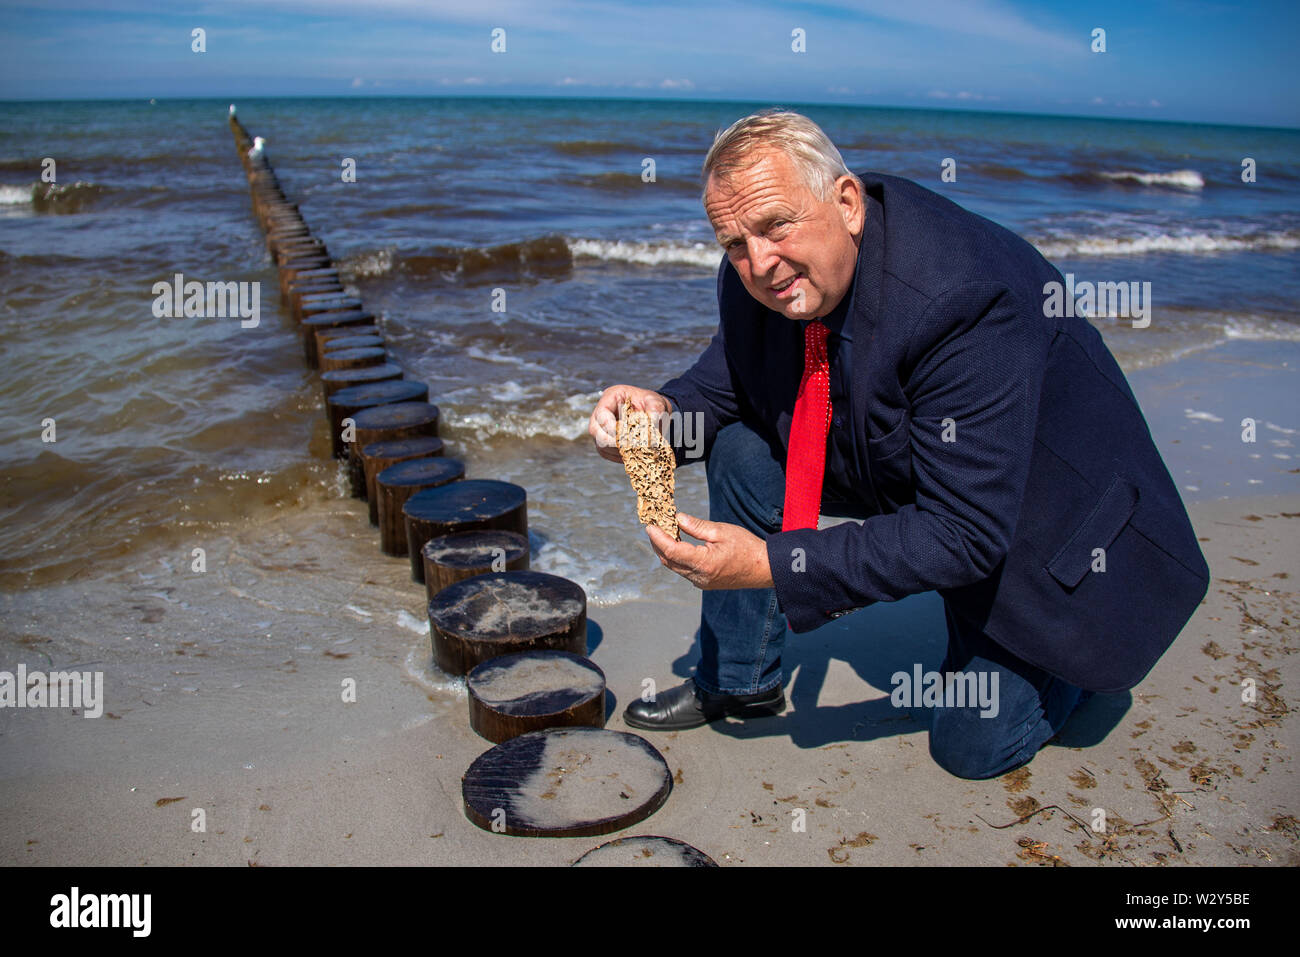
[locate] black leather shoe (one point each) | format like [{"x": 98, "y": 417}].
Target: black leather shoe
[{"x": 687, "y": 706}]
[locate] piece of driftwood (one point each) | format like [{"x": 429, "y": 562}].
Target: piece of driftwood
[
  {"x": 462, "y": 507},
  {"x": 514, "y": 694},
  {"x": 649, "y": 462},
  {"x": 396, "y": 484},
  {"x": 452, "y": 558},
  {"x": 566, "y": 782},
  {"x": 645, "y": 850},
  {"x": 505, "y": 613}
]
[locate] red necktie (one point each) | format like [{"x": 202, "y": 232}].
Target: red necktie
[{"x": 806, "y": 463}]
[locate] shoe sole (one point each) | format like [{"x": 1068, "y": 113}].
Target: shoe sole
[{"x": 647, "y": 726}]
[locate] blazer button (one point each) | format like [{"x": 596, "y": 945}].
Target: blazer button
[{"x": 839, "y": 421}]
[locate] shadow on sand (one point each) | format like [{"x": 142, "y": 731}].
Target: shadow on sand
[{"x": 876, "y": 642}]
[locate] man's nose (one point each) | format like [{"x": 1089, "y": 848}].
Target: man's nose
[{"x": 763, "y": 255}]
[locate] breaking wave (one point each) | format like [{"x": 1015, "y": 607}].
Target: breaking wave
[
  {"x": 1186, "y": 243},
  {"x": 555, "y": 418},
  {"x": 706, "y": 255},
  {"x": 553, "y": 257},
  {"x": 1178, "y": 179},
  {"x": 52, "y": 197},
  {"x": 546, "y": 257}
]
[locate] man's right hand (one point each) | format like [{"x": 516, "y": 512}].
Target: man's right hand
[{"x": 603, "y": 426}]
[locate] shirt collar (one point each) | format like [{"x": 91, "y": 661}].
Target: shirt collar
[{"x": 834, "y": 321}]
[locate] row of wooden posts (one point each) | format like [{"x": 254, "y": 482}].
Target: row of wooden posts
[{"x": 519, "y": 636}]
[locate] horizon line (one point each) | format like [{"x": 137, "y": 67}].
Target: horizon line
[{"x": 649, "y": 99}]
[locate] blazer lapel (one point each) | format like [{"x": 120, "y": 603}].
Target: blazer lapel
[{"x": 866, "y": 308}]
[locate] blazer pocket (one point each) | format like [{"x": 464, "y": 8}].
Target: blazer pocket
[
  {"x": 1112, "y": 512},
  {"x": 893, "y": 441}
]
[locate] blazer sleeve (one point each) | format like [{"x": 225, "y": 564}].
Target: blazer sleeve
[
  {"x": 709, "y": 388},
  {"x": 971, "y": 375}
]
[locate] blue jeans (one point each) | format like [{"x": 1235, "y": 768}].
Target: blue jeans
[
  {"x": 742, "y": 633},
  {"x": 1032, "y": 707}
]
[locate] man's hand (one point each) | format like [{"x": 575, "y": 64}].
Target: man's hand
[
  {"x": 731, "y": 556},
  {"x": 603, "y": 427}
]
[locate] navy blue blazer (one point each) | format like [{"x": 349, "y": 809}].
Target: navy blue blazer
[{"x": 1000, "y": 449}]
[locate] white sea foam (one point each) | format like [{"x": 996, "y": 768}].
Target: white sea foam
[
  {"x": 519, "y": 424},
  {"x": 368, "y": 265},
  {"x": 1190, "y": 243},
  {"x": 1260, "y": 329},
  {"x": 1201, "y": 416},
  {"x": 420, "y": 666},
  {"x": 339, "y": 483},
  {"x": 411, "y": 623},
  {"x": 565, "y": 419},
  {"x": 502, "y": 358},
  {"x": 606, "y": 579},
  {"x": 705, "y": 255},
  {"x": 1179, "y": 178},
  {"x": 15, "y": 195},
  {"x": 510, "y": 391}
]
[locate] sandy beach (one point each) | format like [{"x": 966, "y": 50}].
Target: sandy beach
[{"x": 256, "y": 735}]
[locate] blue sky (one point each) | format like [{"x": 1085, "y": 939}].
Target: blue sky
[{"x": 1193, "y": 61}]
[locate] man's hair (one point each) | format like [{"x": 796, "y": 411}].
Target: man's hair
[{"x": 802, "y": 140}]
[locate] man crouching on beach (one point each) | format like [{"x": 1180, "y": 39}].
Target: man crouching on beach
[{"x": 884, "y": 353}]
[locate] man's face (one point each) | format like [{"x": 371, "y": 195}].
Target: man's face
[{"x": 774, "y": 230}]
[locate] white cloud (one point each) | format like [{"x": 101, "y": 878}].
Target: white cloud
[{"x": 992, "y": 19}]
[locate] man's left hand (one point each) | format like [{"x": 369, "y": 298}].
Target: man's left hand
[{"x": 731, "y": 556}]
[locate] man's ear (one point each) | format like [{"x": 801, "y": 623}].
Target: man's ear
[{"x": 852, "y": 206}]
